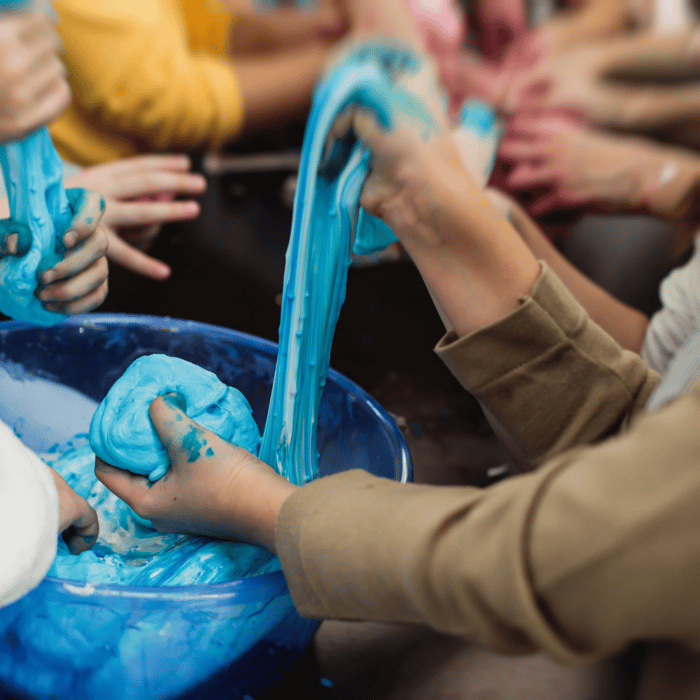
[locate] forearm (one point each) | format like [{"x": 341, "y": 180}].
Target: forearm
[
  {"x": 672, "y": 110},
  {"x": 645, "y": 55},
  {"x": 624, "y": 323},
  {"x": 536, "y": 562},
  {"x": 473, "y": 262},
  {"x": 264, "y": 32},
  {"x": 551, "y": 377},
  {"x": 670, "y": 188},
  {"x": 277, "y": 87},
  {"x": 598, "y": 19}
]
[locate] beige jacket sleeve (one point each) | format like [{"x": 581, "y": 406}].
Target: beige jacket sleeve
[{"x": 596, "y": 549}]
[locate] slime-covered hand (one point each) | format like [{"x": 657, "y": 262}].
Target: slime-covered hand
[
  {"x": 77, "y": 520},
  {"x": 77, "y": 282},
  {"x": 212, "y": 487},
  {"x": 122, "y": 434},
  {"x": 410, "y": 140}
]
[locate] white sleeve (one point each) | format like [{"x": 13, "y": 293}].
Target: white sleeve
[
  {"x": 679, "y": 316},
  {"x": 28, "y": 518}
]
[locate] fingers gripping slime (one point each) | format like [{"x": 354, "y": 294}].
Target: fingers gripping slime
[
  {"x": 33, "y": 179},
  {"x": 325, "y": 217},
  {"x": 121, "y": 432}
]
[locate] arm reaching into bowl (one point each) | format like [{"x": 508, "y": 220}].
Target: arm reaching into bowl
[
  {"x": 534, "y": 562},
  {"x": 36, "y": 505}
]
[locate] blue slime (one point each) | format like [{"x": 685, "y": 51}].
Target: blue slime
[
  {"x": 325, "y": 218},
  {"x": 121, "y": 432},
  {"x": 33, "y": 179},
  {"x": 33, "y": 176},
  {"x": 326, "y": 208}
]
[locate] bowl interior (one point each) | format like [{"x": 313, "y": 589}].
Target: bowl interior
[{"x": 112, "y": 636}]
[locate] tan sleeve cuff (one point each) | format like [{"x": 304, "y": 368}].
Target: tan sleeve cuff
[
  {"x": 357, "y": 547},
  {"x": 551, "y": 376}
]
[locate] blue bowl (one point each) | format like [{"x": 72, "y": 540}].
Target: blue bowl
[{"x": 78, "y": 640}]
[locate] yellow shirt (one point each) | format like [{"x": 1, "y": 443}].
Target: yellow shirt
[{"x": 147, "y": 75}]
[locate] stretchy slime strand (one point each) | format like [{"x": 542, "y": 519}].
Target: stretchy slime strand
[{"x": 324, "y": 222}]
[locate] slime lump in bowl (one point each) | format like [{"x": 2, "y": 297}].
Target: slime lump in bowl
[
  {"x": 121, "y": 432},
  {"x": 85, "y": 640}
]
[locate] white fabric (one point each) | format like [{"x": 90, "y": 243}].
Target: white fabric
[
  {"x": 672, "y": 16},
  {"x": 28, "y": 518},
  {"x": 679, "y": 317}
]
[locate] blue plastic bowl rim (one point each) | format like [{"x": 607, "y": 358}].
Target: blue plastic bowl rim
[{"x": 255, "y": 587}]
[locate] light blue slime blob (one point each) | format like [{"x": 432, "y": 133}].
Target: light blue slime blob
[
  {"x": 121, "y": 432},
  {"x": 325, "y": 216}
]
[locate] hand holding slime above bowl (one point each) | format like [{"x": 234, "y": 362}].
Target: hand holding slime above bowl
[{"x": 121, "y": 432}]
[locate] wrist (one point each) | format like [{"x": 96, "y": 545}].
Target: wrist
[
  {"x": 669, "y": 188},
  {"x": 250, "y": 508},
  {"x": 480, "y": 267}
]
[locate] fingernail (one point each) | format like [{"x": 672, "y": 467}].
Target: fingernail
[
  {"x": 70, "y": 239},
  {"x": 177, "y": 400},
  {"x": 49, "y": 276}
]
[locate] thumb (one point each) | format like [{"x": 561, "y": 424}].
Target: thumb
[
  {"x": 183, "y": 438},
  {"x": 125, "y": 484}
]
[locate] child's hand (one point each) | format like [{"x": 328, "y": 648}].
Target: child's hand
[
  {"x": 412, "y": 158},
  {"x": 573, "y": 80},
  {"x": 77, "y": 520},
  {"x": 211, "y": 487},
  {"x": 33, "y": 86},
  {"x": 140, "y": 196},
  {"x": 78, "y": 282}
]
